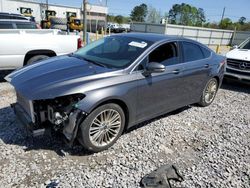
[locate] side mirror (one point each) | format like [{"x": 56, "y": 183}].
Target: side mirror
[{"x": 155, "y": 67}]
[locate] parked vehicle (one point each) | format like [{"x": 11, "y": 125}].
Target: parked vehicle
[
  {"x": 238, "y": 62},
  {"x": 27, "y": 13},
  {"x": 73, "y": 22},
  {"x": 115, "y": 28},
  {"x": 17, "y": 24},
  {"x": 22, "y": 46},
  {"x": 16, "y": 21},
  {"x": 114, "y": 83},
  {"x": 10, "y": 16}
]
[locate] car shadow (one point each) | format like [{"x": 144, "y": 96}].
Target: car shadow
[
  {"x": 3, "y": 74},
  {"x": 13, "y": 132},
  {"x": 157, "y": 118},
  {"x": 235, "y": 85}
]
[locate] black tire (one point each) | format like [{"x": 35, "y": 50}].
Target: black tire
[
  {"x": 60, "y": 27},
  {"x": 203, "y": 100},
  {"x": 84, "y": 130},
  {"x": 36, "y": 59},
  {"x": 58, "y": 21}
]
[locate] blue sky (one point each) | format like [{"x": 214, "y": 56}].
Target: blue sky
[{"x": 213, "y": 8}]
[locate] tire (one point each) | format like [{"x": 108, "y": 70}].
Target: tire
[
  {"x": 36, "y": 59},
  {"x": 60, "y": 27},
  {"x": 89, "y": 129},
  {"x": 58, "y": 21},
  {"x": 209, "y": 93}
]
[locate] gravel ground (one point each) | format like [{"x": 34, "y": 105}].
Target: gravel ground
[{"x": 210, "y": 146}]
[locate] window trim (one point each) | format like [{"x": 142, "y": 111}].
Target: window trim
[{"x": 179, "y": 52}]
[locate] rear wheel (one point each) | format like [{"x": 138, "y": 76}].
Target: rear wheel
[
  {"x": 102, "y": 127},
  {"x": 209, "y": 92},
  {"x": 36, "y": 59}
]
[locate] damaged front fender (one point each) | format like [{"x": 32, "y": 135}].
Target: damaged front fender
[{"x": 72, "y": 125}]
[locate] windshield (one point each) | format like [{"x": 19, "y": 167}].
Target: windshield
[
  {"x": 114, "y": 51},
  {"x": 245, "y": 44}
]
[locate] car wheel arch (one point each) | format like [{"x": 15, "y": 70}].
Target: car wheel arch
[
  {"x": 33, "y": 53},
  {"x": 114, "y": 100},
  {"x": 217, "y": 78}
]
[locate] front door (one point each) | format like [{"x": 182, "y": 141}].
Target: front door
[{"x": 160, "y": 92}]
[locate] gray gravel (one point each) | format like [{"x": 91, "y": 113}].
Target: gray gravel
[{"x": 210, "y": 146}]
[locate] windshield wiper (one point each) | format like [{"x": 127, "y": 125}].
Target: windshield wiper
[
  {"x": 89, "y": 60},
  {"x": 94, "y": 62}
]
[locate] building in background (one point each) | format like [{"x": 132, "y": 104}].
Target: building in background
[{"x": 96, "y": 14}]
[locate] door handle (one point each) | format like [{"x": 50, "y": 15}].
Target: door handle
[
  {"x": 177, "y": 71},
  {"x": 206, "y": 66}
]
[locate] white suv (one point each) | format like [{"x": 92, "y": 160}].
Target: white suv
[{"x": 238, "y": 62}]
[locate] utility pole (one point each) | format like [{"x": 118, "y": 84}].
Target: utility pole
[
  {"x": 47, "y": 4},
  {"x": 223, "y": 13},
  {"x": 106, "y": 19},
  {"x": 85, "y": 21}
]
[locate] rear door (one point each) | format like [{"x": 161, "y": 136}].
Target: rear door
[{"x": 196, "y": 70}]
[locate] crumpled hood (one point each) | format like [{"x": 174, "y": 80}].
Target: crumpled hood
[
  {"x": 55, "y": 77},
  {"x": 241, "y": 54}
]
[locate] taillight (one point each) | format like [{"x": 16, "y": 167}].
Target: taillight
[
  {"x": 79, "y": 43},
  {"x": 38, "y": 26}
]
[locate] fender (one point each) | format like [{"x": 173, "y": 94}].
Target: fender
[{"x": 116, "y": 93}]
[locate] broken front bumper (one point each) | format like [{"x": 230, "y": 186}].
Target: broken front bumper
[{"x": 26, "y": 120}]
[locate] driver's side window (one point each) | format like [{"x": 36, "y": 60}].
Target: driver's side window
[{"x": 166, "y": 54}]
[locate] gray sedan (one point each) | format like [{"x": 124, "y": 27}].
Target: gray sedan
[{"x": 96, "y": 93}]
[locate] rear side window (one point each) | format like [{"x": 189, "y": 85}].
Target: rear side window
[
  {"x": 6, "y": 26},
  {"x": 25, "y": 26},
  {"x": 206, "y": 52},
  {"x": 192, "y": 52}
]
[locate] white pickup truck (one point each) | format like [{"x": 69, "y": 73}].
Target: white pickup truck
[{"x": 22, "y": 47}]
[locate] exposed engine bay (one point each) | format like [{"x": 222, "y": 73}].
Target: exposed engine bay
[{"x": 59, "y": 114}]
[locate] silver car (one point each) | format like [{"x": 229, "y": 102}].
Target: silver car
[{"x": 113, "y": 84}]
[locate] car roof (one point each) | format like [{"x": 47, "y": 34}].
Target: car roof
[
  {"x": 5, "y": 15},
  {"x": 153, "y": 37},
  {"x": 9, "y": 14}
]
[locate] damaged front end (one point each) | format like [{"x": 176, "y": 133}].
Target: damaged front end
[{"x": 58, "y": 114}]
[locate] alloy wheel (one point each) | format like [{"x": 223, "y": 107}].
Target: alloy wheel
[
  {"x": 105, "y": 127},
  {"x": 210, "y": 91}
]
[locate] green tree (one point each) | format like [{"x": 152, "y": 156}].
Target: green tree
[
  {"x": 111, "y": 18},
  {"x": 242, "y": 20},
  {"x": 226, "y": 23},
  {"x": 201, "y": 18},
  {"x": 119, "y": 19},
  {"x": 139, "y": 13},
  {"x": 185, "y": 14},
  {"x": 153, "y": 16}
]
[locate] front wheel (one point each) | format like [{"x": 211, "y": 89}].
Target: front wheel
[
  {"x": 102, "y": 127},
  {"x": 209, "y": 92}
]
